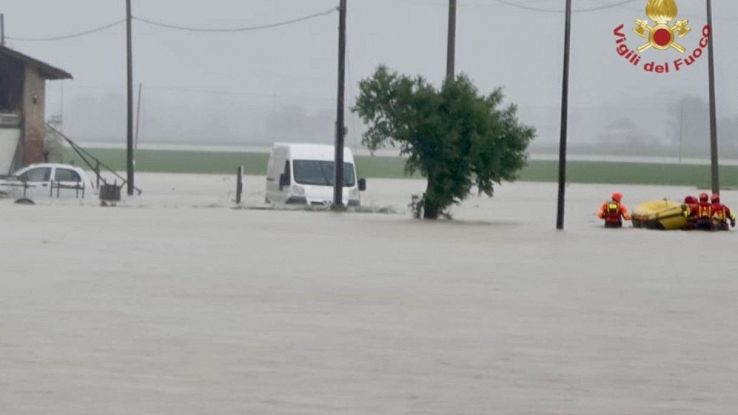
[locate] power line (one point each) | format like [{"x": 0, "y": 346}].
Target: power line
[
  {"x": 236, "y": 29},
  {"x": 175, "y": 27},
  {"x": 624, "y": 4},
  {"x": 70, "y": 36},
  {"x": 582, "y": 10},
  {"x": 692, "y": 16},
  {"x": 520, "y": 5}
]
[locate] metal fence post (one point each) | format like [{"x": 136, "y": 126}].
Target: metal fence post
[{"x": 97, "y": 174}]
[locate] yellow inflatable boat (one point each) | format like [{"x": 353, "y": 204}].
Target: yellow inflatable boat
[{"x": 660, "y": 214}]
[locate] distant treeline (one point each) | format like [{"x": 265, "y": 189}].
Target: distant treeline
[{"x": 207, "y": 162}]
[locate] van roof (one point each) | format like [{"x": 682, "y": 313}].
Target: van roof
[{"x": 314, "y": 151}]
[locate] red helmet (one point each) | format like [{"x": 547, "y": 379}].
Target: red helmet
[
  {"x": 617, "y": 197},
  {"x": 704, "y": 198},
  {"x": 690, "y": 200},
  {"x": 715, "y": 198}
]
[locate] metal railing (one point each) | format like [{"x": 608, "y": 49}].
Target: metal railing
[
  {"x": 91, "y": 161},
  {"x": 79, "y": 188}
]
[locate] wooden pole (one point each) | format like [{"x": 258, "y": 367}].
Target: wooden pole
[
  {"x": 451, "y": 44},
  {"x": 714, "y": 160},
  {"x": 340, "y": 122},
  {"x": 564, "y": 120},
  {"x": 239, "y": 184},
  {"x": 129, "y": 87}
]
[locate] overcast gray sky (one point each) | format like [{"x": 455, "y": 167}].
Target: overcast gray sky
[{"x": 280, "y": 83}]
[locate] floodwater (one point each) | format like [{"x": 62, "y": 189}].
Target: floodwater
[{"x": 175, "y": 303}]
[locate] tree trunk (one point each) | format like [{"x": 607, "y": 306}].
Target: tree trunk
[
  {"x": 431, "y": 207},
  {"x": 430, "y": 211}
]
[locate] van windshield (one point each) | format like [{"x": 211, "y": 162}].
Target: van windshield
[{"x": 322, "y": 173}]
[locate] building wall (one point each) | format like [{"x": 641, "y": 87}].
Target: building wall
[
  {"x": 34, "y": 96},
  {"x": 8, "y": 147}
]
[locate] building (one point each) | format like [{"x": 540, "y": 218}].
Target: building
[{"x": 22, "y": 108}]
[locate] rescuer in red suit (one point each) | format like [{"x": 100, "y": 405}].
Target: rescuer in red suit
[
  {"x": 721, "y": 214},
  {"x": 691, "y": 203},
  {"x": 613, "y": 212},
  {"x": 704, "y": 213}
]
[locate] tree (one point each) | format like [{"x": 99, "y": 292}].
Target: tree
[
  {"x": 689, "y": 125},
  {"x": 453, "y": 136}
]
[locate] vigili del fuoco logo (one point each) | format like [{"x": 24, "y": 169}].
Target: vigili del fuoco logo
[{"x": 661, "y": 31}]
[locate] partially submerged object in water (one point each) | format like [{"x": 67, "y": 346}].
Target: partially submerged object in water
[{"x": 660, "y": 214}]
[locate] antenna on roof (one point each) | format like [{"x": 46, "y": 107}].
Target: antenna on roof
[{"x": 2, "y": 29}]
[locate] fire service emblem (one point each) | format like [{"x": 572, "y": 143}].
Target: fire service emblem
[
  {"x": 662, "y": 35},
  {"x": 662, "y": 30}
]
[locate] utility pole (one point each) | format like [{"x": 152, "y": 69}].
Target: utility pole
[
  {"x": 564, "y": 119},
  {"x": 714, "y": 161},
  {"x": 129, "y": 86},
  {"x": 451, "y": 52},
  {"x": 340, "y": 122},
  {"x": 2, "y": 29}
]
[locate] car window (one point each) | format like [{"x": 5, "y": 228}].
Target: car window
[
  {"x": 39, "y": 174},
  {"x": 66, "y": 175}
]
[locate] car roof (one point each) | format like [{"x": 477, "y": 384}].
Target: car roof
[
  {"x": 66, "y": 166},
  {"x": 51, "y": 165}
]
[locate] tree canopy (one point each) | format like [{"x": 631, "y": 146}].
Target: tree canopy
[{"x": 454, "y": 136}]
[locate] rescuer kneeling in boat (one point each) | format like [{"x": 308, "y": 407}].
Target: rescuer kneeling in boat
[
  {"x": 613, "y": 212},
  {"x": 704, "y": 213},
  {"x": 721, "y": 214}
]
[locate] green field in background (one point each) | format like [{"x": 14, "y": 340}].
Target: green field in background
[{"x": 168, "y": 161}]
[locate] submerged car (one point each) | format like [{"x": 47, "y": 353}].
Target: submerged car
[{"x": 47, "y": 180}]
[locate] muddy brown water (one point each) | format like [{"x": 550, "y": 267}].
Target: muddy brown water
[{"x": 174, "y": 303}]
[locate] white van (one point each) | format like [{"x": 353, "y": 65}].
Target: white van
[{"x": 305, "y": 174}]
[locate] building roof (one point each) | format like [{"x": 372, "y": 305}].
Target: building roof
[{"x": 47, "y": 71}]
